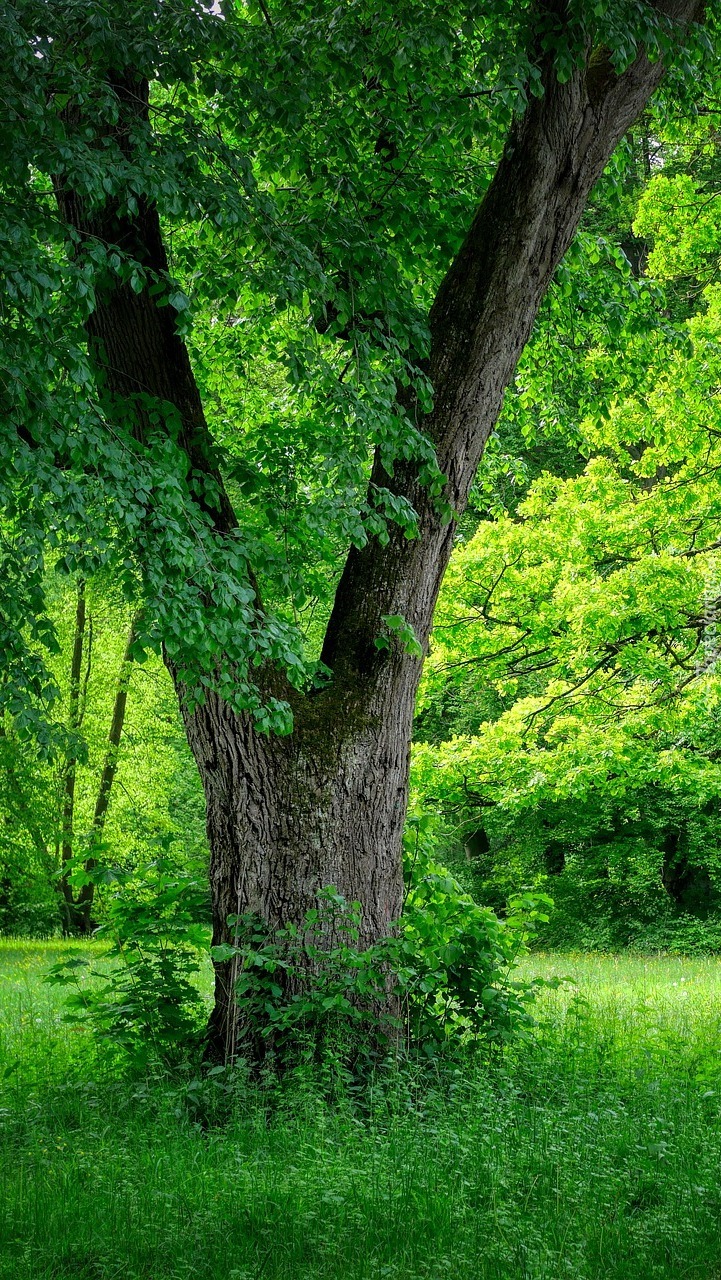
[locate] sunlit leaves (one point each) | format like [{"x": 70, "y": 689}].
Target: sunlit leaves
[{"x": 315, "y": 169}]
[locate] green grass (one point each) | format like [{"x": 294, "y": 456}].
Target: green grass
[{"x": 592, "y": 1151}]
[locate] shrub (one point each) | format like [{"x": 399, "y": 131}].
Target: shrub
[
  {"x": 444, "y": 976},
  {"x": 308, "y": 989},
  {"x": 142, "y": 1001},
  {"x": 454, "y": 961}
]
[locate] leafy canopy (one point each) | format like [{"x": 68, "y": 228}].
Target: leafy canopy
[{"x": 315, "y": 168}]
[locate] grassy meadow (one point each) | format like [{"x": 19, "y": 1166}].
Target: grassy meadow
[{"x": 593, "y": 1150}]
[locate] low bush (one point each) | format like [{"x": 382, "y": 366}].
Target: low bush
[
  {"x": 142, "y": 1001},
  {"x": 446, "y": 974},
  {"x": 310, "y": 991}
]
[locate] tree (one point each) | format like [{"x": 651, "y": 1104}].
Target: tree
[
  {"x": 78, "y": 908},
  {"x": 149, "y": 118},
  {"x": 121, "y": 789},
  {"x": 570, "y": 704}
]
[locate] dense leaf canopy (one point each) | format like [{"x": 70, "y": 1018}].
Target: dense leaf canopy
[
  {"x": 576, "y": 644},
  {"x": 315, "y": 168}
]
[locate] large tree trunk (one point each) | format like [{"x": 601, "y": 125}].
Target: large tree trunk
[{"x": 326, "y": 805}]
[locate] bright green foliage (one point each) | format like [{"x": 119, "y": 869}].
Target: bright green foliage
[
  {"x": 586, "y": 638},
  {"x": 156, "y": 806},
  {"x": 28, "y": 867},
  {"x": 576, "y": 640},
  {"x": 620, "y": 825},
  {"x": 285, "y": 162},
  {"x": 456, "y": 961},
  {"x": 142, "y": 1001},
  {"x": 403, "y": 633},
  {"x": 610, "y": 1120},
  {"x": 311, "y": 992},
  {"x": 315, "y": 169}
]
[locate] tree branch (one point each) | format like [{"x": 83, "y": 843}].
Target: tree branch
[{"x": 480, "y": 321}]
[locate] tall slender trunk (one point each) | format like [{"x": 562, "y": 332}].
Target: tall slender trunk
[
  {"x": 78, "y": 907},
  {"x": 86, "y": 895},
  {"x": 72, "y": 920},
  {"x": 27, "y": 815},
  {"x": 326, "y": 805}
]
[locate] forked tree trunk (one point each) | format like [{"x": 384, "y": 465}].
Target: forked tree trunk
[{"x": 325, "y": 806}]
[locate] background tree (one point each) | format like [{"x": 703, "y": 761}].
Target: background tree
[
  {"x": 576, "y": 644},
  {"x": 136, "y": 797}
]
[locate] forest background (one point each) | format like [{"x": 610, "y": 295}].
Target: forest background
[{"x": 567, "y": 732}]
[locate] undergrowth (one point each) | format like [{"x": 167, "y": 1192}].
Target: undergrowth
[{"x": 591, "y": 1150}]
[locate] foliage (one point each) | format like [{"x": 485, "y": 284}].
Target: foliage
[
  {"x": 620, "y": 823},
  {"x": 444, "y": 978},
  {"x": 314, "y": 170},
  {"x": 305, "y": 988},
  {"x": 262, "y": 153},
  {"x": 156, "y": 804},
  {"x": 142, "y": 1002},
  {"x": 456, "y": 960},
  {"x": 609, "y": 1116},
  {"x": 571, "y": 703}
]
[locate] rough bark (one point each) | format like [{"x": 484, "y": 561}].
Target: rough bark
[
  {"x": 481, "y": 320},
  {"x": 139, "y": 357},
  {"x": 323, "y": 806},
  {"x": 326, "y": 805}
]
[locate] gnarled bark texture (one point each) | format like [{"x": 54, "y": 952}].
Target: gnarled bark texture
[
  {"x": 326, "y": 805},
  {"x": 323, "y": 806}
]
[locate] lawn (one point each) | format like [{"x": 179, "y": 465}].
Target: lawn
[{"x": 593, "y": 1150}]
